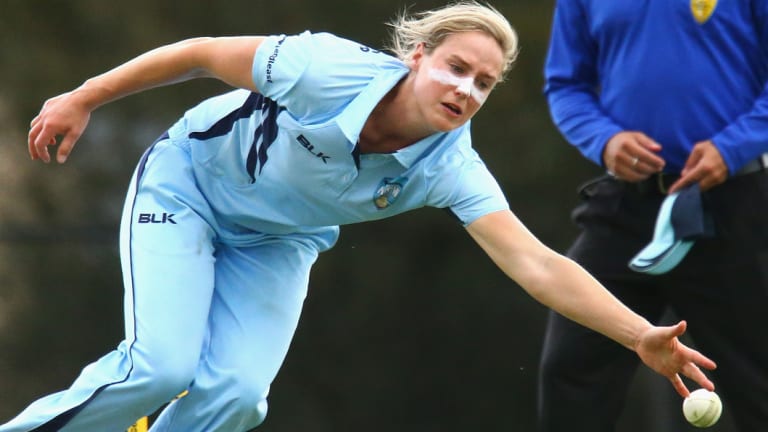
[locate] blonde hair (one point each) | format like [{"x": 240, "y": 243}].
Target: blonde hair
[{"x": 433, "y": 26}]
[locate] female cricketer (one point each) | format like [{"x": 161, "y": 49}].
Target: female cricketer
[{"x": 228, "y": 210}]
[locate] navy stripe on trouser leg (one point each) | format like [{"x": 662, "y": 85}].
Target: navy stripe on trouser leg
[
  {"x": 167, "y": 251},
  {"x": 51, "y": 413},
  {"x": 165, "y": 311}
]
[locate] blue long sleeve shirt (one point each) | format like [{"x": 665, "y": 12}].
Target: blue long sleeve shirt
[{"x": 652, "y": 66}]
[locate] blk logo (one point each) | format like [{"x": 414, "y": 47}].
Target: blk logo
[
  {"x": 156, "y": 218},
  {"x": 308, "y": 145}
]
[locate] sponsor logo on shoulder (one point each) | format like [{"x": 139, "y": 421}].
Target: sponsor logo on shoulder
[
  {"x": 273, "y": 57},
  {"x": 366, "y": 49}
]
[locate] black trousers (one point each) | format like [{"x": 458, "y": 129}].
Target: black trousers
[{"x": 720, "y": 288}]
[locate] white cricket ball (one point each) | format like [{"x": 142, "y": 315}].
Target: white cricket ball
[{"x": 702, "y": 408}]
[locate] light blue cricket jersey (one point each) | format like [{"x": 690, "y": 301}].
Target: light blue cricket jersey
[{"x": 285, "y": 160}]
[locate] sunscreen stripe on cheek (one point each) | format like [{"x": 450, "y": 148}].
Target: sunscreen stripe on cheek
[{"x": 464, "y": 85}]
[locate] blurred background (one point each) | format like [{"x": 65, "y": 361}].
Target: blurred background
[{"x": 408, "y": 325}]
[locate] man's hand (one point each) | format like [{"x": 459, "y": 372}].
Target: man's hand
[
  {"x": 704, "y": 166},
  {"x": 632, "y": 156}
]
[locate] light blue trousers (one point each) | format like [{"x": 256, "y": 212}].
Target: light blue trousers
[{"x": 202, "y": 316}]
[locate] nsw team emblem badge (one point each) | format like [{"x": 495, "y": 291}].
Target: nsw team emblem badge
[
  {"x": 388, "y": 191},
  {"x": 702, "y": 9}
]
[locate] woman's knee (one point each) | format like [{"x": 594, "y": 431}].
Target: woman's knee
[
  {"x": 242, "y": 397},
  {"x": 251, "y": 402},
  {"x": 163, "y": 378}
]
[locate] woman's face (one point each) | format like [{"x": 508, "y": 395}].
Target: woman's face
[{"x": 453, "y": 79}]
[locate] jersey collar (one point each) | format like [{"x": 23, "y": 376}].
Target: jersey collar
[{"x": 352, "y": 119}]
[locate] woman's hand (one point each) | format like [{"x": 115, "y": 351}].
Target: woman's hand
[
  {"x": 228, "y": 59},
  {"x": 63, "y": 116},
  {"x": 660, "y": 349}
]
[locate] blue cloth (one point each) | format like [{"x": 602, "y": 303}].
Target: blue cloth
[
  {"x": 652, "y": 66},
  {"x": 708, "y": 80},
  {"x": 682, "y": 219},
  {"x": 689, "y": 218}
]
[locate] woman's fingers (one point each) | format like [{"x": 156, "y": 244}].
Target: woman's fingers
[
  {"x": 34, "y": 131},
  {"x": 65, "y": 148},
  {"x": 46, "y": 137},
  {"x": 679, "y": 386}
]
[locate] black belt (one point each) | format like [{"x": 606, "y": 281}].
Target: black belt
[{"x": 659, "y": 183}]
